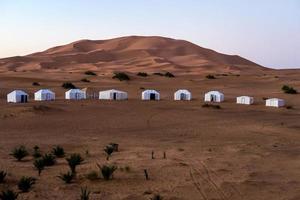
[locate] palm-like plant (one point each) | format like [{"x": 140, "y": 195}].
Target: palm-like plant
[
  {"x": 49, "y": 159},
  {"x": 67, "y": 177},
  {"x": 58, "y": 151},
  {"x": 74, "y": 160},
  {"x": 8, "y": 195},
  {"x": 109, "y": 149},
  {"x": 39, "y": 164},
  {"x": 25, "y": 183},
  {"x": 36, "y": 152},
  {"x": 19, "y": 152},
  {"x": 2, "y": 176},
  {"x": 107, "y": 171},
  {"x": 85, "y": 194}
]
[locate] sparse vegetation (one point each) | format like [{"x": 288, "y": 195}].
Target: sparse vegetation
[
  {"x": 25, "y": 183},
  {"x": 206, "y": 105},
  {"x": 109, "y": 149},
  {"x": 68, "y": 85},
  {"x": 90, "y": 73},
  {"x": 158, "y": 74},
  {"x": 289, "y": 107},
  {"x": 115, "y": 146},
  {"x": 107, "y": 171},
  {"x": 288, "y": 89},
  {"x": 36, "y": 84},
  {"x": 39, "y": 165},
  {"x": 58, "y": 151},
  {"x": 143, "y": 74},
  {"x": 169, "y": 74},
  {"x": 2, "y": 176},
  {"x": 49, "y": 159},
  {"x": 74, "y": 160},
  {"x": 92, "y": 175},
  {"x": 66, "y": 177},
  {"x": 19, "y": 152},
  {"x": 156, "y": 197},
  {"x": 85, "y": 80},
  {"x": 85, "y": 194},
  {"x": 209, "y": 76},
  {"x": 121, "y": 76},
  {"x": 8, "y": 195},
  {"x": 36, "y": 152}
]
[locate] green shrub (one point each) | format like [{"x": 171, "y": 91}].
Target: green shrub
[
  {"x": 36, "y": 152},
  {"x": 39, "y": 165},
  {"x": 67, "y": 177},
  {"x": 85, "y": 194},
  {"x": 158, "y": 74},
  {"x": 169, "y": 74},
  {"x": 35, "y": 84},
  {"x": 2, "y": 176},
  {"x": 49, "y": 159},
  {"x": 91, "y": 73},
  {"x": 121, "y": 76},
  {"x": 25, "y": 183},
  {"x": 209, "y": 76},
  {"x": 92, "y": 175},
  {"x": 68, "y": 85},
  {"x": 19, "y": 152},
  {"x": 288, "y": 89},
  {"x": 109, "y": 149},
  {"x": 74, "y": 160},
  {"x": 143, "y": 74},
  {"x": 58, "y": 151},
  {"x": 85, "y": 80},
  {"x": 8, "y": 195},
  {"x": 107, "y": 171}
]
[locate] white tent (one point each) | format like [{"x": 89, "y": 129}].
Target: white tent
[
  {"x": 150, "y": 95},
  {"x": 182, "y": 95},
  {"x": 76, "y": 94},
  {"x": 44, "y": 95},
  {"x": 214, "y": 96},
  {"x": 275, "y": 102},
  {"x": 245, "y": 100},
  {"x": 113, "y": 95},
  {"x": 17, "y": 96}
]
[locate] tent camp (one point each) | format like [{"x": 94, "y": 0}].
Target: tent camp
[
  {"x": 245, "y": 100},
  {"x": 113, "y": 95},
  {"x": 150, "y": 95},
  {"x": 17, "y": 96},
  {"x": 182, "y": 95},
  {"x": 275, "y": 102},
  {"x": 44, "y": 95},
  {"x": 214, "y": 96},
  {"x": 75, "y": 94}
]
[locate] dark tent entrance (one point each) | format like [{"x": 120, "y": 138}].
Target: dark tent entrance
[
  {"x": 183, "y": 96},
  {"x": 213, "y": 98},
  {"x": 114, "y": 96},
  {"x": 152, "y": 96},
  {"x": 24, "y": 98}
]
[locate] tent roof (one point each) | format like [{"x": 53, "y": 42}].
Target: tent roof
[
  {"x": 113, "y": 90},
  {"x": 45, "y": 91},
  {"x": 183, "y": 91},
  {"x": 214, "y": 92},
  {"x": 150, "y": 91},
  {"x": 18, "y": 92}
]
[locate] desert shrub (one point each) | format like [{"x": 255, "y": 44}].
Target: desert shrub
[
  {"x": 109, "y": 149},
  {"x": 35, "y": 84},
  {"x": 143, "y": 74},
  {"x": 107, "y": 171},
  {"x": 289, "y": 107},
  {"x": 58, "y": 151},
  {"x": 169, "y": 74},
  {"x": 66, "y": 177},
  {"x": 68, "y": 85},
  {"x": 2, "y": 176},
  {"x": 85, "y": 194},
  {"x": 85, "y": 80},
  {"x": 209, "y": 76},
  {"x": 264, "y": 98},
  {"x": 91, "y": 73},
  {"x": 49, "y": 159},
  {"x": 19, "y": 152},
  {"x": 92, "y": 175},
  {"x": 121, "y": 76},
  {"x": 39, "y": 165},
  {"x": 36, "y": 152},
  {"x": 8, "y": 195},
  {"x": 158, "y": 74},
  {"x": 156, "y": 197},
  {"x": 25, "y": 183},
  {"x": 288, "y": 89},
  {"x": 115, "y": 146},
  {"x": 211, "y": 106},
  {"x": 74, "y": 160}
]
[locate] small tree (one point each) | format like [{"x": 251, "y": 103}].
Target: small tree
[
  {"x": 49, "y": 159},
  {"x": 109, "y": 149},
  {"x": 107, "y": 171},
  {"x": 2, "y": 176},
  {"x": 85, "y": 80},
  {"x": 8, "y": 195},
  {"x": 19, "y": 152},
  {"x": 85, "y": 194},
  {"x": 26, "y": 183},
  {"x": 68, "y": 85},
  {"x": 209, "y": 76},
  {"x": 288, "y": 90},
  {"x": 39, "y": 165},
  {"x": 169, "y": 74},
  {"x": 36, "y": 84},
  {"x": 58, "y": 151},
  {"x": 36, "y": 152},
  {"x": 67, "y": 177},
  {"x": 91, "y": 73},
  {"x": 74, "y": 160},
  {"x": 121, "y": 76},
  {"x": 143, "y": 74}
]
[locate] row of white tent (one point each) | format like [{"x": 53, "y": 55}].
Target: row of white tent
[{"x": 19, "y": 96}]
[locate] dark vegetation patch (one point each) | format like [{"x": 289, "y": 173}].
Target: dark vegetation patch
[
  {"x": 209, "y": 76},
  {"x": 206, "y": 105},
  {"x": 90, "y": 73},
  {"x": 85, "y": 80},
  {"x": 288, "y": 89},
  {"x": 36, "y": 84},
  {"x": 121, "y": 76},
  {"x": 143, "y": 74},
  {"x": 68, "y": 85},
  {"x": 167, "y": 74}
]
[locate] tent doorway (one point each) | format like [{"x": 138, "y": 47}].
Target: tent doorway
[
  {"x": 77, "y": 95},
  {"x": 152, "y": 96},
  {"x": 23, "y": 98},
  {"x": 183, "y": 96},
  {"x": 114, "y": 96},
  {"x": 48, "y": 97},
  {"x": 213, "y": 98}
]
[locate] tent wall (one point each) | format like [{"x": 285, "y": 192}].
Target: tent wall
[
  {"x": 275, "y": 102},
  {"x": 146, "y": 95},
  {"x": 245, "y": 100},
  {"x": 44, "y": 96},
  {"x": 75, "y": 94},
  {"x": 113, "y": 95},
  {"x": 182, "y": 95},
  {"x": 214, "y": 97}
]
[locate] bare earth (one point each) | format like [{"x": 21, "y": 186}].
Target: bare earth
[{"x": 235, "y": 153}]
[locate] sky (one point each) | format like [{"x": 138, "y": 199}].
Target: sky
[{"x": 264, "y": 31}]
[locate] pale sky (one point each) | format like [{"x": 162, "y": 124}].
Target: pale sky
[{"x": 264, "y": 31}]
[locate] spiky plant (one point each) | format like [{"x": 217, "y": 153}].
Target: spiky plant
[
  {"x": 156, "y": 197},
  {"x": 8, "y": 195},
  {"x": 2, "y": 176},
  {"x": 39, "y": 164},
  {"x": 58, "y": 151},
  {"x": 74, "y": 160},
  {"x": 66, "y": 177},
  {"x": 85, "y": 194},
  {"x": 36, "y": 152},
  {"x": 109, "y": 149},
  {"x": 107, "y": 171},
  {"x": 48, "y": 159},
  {"x": 19, "y": 152},
  {"x": 25, "y": 183}
]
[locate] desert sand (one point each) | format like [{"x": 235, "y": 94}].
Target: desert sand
[{"x": 237, "y": 152}]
